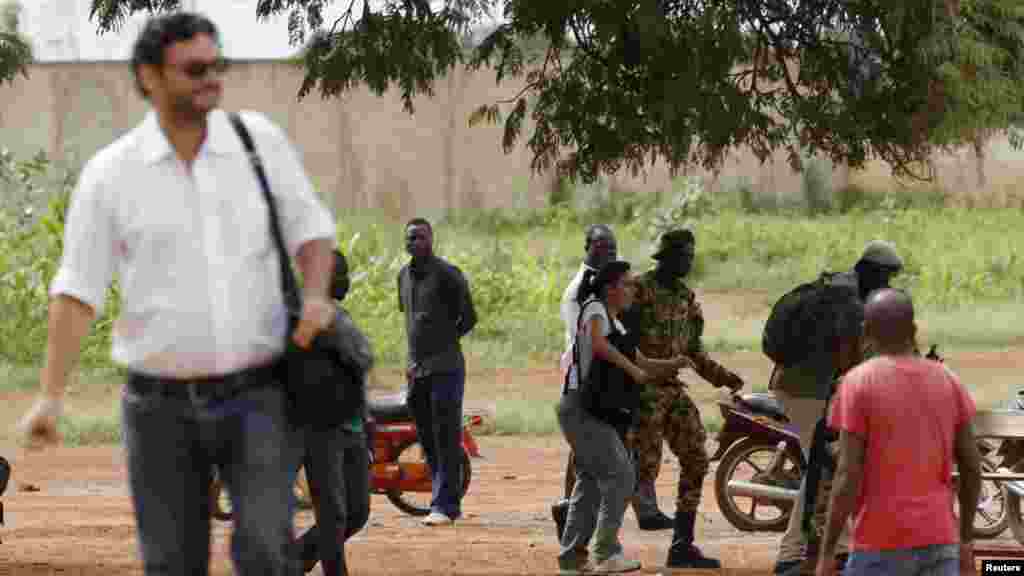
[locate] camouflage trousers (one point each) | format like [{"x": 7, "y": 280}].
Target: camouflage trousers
[{"x": 676, "y": 420}]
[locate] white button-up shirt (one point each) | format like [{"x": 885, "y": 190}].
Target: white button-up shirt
[
  {"x": 198, "y": 270},
  {"x": 570, "y": 312}
]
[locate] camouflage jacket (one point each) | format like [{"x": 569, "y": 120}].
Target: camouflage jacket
[{"x": 667, "y": 321}]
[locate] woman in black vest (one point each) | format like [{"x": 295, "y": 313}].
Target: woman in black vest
[{"x": 601, "y": 392}]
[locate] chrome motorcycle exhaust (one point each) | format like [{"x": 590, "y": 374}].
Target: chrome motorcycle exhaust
[
  {"x": 761, "y": 491},
  {"x": 1016, "y": 487}
]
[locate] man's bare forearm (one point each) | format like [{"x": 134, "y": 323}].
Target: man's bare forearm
[
  {"x": 844, "y": 500},
  {"x": 68, "y": 324},
  {"x": 316, "y": 263},
  {"x": 970, "y": 490},
  {"x": 968, "y": 462}
]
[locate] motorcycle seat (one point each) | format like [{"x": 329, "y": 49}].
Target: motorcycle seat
[
  {"x": 766, "y": 404},
  {"x": 391, "y": 408}
]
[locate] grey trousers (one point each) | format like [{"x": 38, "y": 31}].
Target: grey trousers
[{"x": 604, "y": 483}]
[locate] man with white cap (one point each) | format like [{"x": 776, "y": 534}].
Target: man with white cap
[{"x": 803, "y": 390}]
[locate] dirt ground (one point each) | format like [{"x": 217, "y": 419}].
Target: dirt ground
[{"x": 80, "y": 521}]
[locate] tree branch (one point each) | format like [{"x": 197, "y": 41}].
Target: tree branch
[
  {"x": 530, "y": 85},
  {"x": 347, "y": 17}
]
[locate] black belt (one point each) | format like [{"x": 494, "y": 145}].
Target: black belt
[{"x": 205, "y": 388}]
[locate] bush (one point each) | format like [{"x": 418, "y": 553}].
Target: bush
[
  {"x": 31, "y": 242},
  {"x": 816, "y": 186},
  {"x": 518, "y": 263}
]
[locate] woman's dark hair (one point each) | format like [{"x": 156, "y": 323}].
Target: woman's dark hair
[
  {"x": 160, "y": 32},
  {"x": 608, "y": 275},
  {"x": 340, "y": 283}
]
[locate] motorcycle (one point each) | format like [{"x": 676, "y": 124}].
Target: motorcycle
[
  {"x": 760, "y": 464},
  {"x": 399, "y": 468},
  {"x": 760, "y": 467},
  {"x": 1010, "y": 454}
]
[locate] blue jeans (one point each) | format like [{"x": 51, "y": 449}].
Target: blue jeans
[
  {"x": 436, "y": 403},
  {"x": 172, "y": 445},
  {"x": 938, "y": 560},
  {"x": 338, "y": 470}
]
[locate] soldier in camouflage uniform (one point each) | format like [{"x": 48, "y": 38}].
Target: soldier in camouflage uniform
[{"x": 667, "y": 320}]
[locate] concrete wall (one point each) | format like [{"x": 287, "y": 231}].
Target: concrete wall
[{"x": 365, "y": 151}]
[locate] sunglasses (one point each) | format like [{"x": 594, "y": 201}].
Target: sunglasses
[{"x": 197, "y": 70}]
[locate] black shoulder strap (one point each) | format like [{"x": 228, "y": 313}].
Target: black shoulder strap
[
  {"x": 288, "y": 283},
  {"x": 579, "y": 326},
  {"x": 576, "y": 350}
]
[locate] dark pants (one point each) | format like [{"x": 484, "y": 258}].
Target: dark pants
[
  {"x": 337, "y": 468},
  {"x": 436, "y": 402},
  {"x": 172, "y": 445}
]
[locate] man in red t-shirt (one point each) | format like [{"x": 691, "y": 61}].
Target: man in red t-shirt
[{"x": 903, "y": 421}]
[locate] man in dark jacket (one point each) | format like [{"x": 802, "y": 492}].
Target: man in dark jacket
[
  {"x": 337, "y": 463},
  {"x": 434, "y": 296}
]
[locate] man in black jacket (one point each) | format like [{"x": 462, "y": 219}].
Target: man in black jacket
[{"x": 434, "y": 296}]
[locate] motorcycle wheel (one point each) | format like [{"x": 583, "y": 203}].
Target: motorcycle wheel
[
  {"x": 418, "y": 503},
  {"x": 754, "y": 455},
  {"x": 220, "y": 500},
  {"x": 993, "y": 515}
]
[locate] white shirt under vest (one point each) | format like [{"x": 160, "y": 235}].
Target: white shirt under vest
[{"x": 197, "y": 267}]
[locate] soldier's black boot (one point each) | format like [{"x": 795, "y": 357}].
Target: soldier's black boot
[
  {"x": 682, "y": 553},
  {"x": 657, "y": 522},
  {"x": 560, "y": 512},
  {"x": 646, "y": 499}
]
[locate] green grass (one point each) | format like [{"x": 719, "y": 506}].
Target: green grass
[
  {"x": 983, "y": 325},
  {"x": 516, "y": 417},
  {"x": 90, "y": 429},
  {"x": 963, "y": 267}
]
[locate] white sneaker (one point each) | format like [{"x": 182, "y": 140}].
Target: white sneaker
[
  {"x": 616, "y": 564},
  {"x": 437, "y": 519}
]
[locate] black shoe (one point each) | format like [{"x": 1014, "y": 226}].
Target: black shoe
[
  {"x": 682, "y": 553},
  {"x": 657, "y": 522},
  {"x": 560, "y": 512}
]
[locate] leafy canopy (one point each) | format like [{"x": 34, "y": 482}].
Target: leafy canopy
[
  {"x": 623, "y": 83},
  {"x": 15, "y": 52}
]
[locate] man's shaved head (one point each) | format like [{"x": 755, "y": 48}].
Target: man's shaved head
[{"x": 889, "y": 320}]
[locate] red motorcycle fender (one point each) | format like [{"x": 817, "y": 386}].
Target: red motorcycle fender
[{"x": 468, "y": 442}]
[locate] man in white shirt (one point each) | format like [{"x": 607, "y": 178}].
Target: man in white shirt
[
  {"x": 174, "y": 208},
  {"x": 600, "y": 247}
]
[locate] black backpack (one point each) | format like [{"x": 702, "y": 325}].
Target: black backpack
[{"x": 800, "y": 320}]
